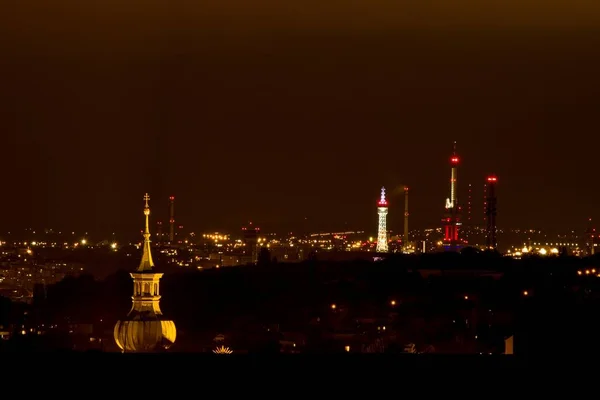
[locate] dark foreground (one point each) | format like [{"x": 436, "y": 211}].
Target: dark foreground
[{"x": 341, "y": 361}]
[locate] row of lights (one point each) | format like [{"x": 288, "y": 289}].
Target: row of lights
[
  {"x": 466, "y": 297},
  {"x": 588, "y": 272},
  {"x": 541, "y": 251},
  {"x": 524, "y": 293}
]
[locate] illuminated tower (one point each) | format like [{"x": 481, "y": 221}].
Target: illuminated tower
[
  {"x": 172, "y": 220},
  {"x": 145, "y": 329},
  {"x": 382, "y": 210},
  {"x": 451, "y": 219},
  {"x": 491, "y": 230}
]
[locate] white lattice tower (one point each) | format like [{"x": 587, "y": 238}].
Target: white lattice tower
[{"x": 382, "y": 210}]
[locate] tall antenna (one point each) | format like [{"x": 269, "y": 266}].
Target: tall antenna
[
  {"x": 406, "y": 217},
  {"x": 172, "y": 220}
]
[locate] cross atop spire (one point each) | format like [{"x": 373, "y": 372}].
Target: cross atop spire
[{"x": 146, "y": 264}]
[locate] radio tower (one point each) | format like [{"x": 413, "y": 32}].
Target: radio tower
[
  {"x": 451, "y": 219},
  {"x": 172, "y": 220},
  {"x": 406, "y": 245},
  {"x": 590, "y": 236},
  {"x": 490, "y": 214},
  {"x": 159, "y": 234},
  {"x": 469, "y": 227},
  {"x": 382, "y": 210}
]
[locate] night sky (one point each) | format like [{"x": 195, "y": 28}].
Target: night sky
[{"x": 293, "y": 114}]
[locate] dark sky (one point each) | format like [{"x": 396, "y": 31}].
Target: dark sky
[{"x": 277, "y": 111}]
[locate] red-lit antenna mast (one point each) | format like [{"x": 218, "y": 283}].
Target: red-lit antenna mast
[
  {"x": 591, "y": 238},
  {"x": 451, "y": 219},
  {"x": 159, "y": 232},
  {"x": 172, "y": 220}
]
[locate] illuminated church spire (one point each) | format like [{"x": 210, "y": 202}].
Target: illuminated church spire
[
  {"x": 145, "y": 329},
  {"x": 146, "y": 264}
]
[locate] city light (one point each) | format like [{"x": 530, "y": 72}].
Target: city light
[{"x": 222, "y": 350}]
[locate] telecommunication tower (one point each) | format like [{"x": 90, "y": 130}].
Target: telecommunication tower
[
  {"x": 490, "y": 214},
  {"x": 451, "y": 219},
  {"x": 382, "y": 210}
]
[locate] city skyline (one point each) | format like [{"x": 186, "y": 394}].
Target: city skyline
[
  {"x": 474, "y": 215},
  {"x": 278, "y": 123}
]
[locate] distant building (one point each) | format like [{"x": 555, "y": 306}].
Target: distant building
[{"x": 250, "y": 240}]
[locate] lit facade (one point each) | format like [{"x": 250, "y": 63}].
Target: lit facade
[{"x": 145, "y": 329}]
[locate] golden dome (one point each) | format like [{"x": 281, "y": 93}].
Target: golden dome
[{"x": 144, "y": 336}]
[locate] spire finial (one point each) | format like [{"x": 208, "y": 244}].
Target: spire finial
[
  {"x": 454, "y": 148},
  {"x": 146, "y": 263}
]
